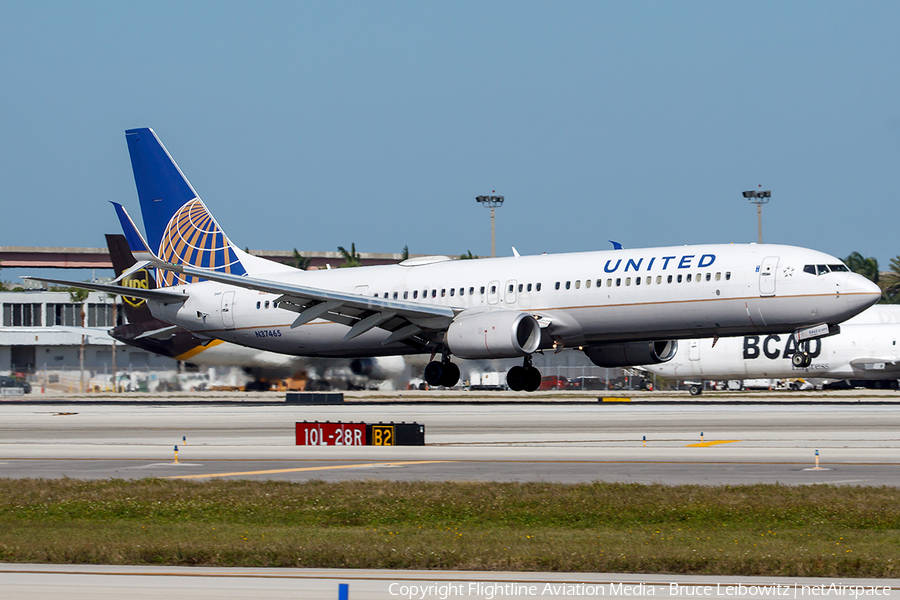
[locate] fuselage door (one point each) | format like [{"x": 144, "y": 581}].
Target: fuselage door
[
  {"x": 228, "y": 310},
  {"x": 767, "y": 276}
]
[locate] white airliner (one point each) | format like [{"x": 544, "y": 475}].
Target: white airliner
[
  {"x": 621, "y": 307},
  {"x": 865, "y": 350}
]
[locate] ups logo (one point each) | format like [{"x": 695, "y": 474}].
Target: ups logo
[{"x": 138, "y": 280}]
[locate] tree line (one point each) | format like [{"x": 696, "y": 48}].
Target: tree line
[{"x": 888, "y": 281}]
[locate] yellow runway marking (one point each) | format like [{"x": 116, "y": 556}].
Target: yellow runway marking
[
  {"x": 297, "y": 470},
  {"x": 713, "y": 443}
]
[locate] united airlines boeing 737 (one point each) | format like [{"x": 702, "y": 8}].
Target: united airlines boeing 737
[{"x": 620, "y": 307}]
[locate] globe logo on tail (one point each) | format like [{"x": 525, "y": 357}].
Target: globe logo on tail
[{"x": 193, "y": 237}]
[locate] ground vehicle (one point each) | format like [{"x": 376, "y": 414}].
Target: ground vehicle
[
  {"x": 14, "y": 382},
  {"x": 490, "y": 380},
  {"x": 554, "y": 382},
  {"x": 587, "y": 383}
]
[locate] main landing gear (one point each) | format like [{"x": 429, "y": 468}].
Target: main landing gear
[
  {"x": 525, "y": 378},
  {"x": 443, "y": 373}
]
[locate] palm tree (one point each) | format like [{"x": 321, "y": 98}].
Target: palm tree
[
  {"x": 468, "y": 256},
  {"x": 352, "y": 258},
  {"x": 867, "y": 267},
  {"x": 890, "y": 283},
  {"x": 405, "y": 254},
  {"x": 299, "y": 261}
]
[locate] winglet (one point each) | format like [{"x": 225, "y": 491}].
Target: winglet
[
  {"x": 616, "y": 245},
  {"x": 138, "y": 246},
  {"x": 135, "y": 240}
]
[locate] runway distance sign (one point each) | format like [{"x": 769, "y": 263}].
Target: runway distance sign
[
  {"x": 316, "y": 433},
  {"x": 331, "y": 434},
  {"x": 383, "y": 435}
]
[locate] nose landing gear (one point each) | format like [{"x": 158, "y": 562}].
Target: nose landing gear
[
  {"x": 525, "y": 378},
  {"x": 802, "y": 359}
]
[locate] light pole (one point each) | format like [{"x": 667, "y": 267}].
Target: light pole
[
  {"x": 758, "y": 198},
  {"x": 493, "y": 202}
]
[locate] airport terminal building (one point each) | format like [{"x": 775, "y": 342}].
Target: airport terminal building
[{"x": 42, "y": 338}]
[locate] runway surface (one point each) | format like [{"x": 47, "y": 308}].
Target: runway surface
[{"x": 858, "y": 444}]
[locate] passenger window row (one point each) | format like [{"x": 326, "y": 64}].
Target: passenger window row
[
  {"x": 577, "y": 284},
  {"x": 648, "y": 280},
  {"x": 453, "y": 292}
]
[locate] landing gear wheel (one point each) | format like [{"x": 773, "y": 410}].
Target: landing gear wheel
[
  {"x": 450, "y": 374},
  {"x": 532, "y": 379},
  {"x": 515, "y": 378},
  {"x": 695, "y": 390},
  {"x": 801, "y": 360}
]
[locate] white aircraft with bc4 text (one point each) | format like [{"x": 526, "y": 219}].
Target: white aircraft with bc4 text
[{"x": 864, "y": 354}]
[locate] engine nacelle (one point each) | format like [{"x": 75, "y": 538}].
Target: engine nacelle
[
  {"x": 632, "y": 354},
  {"x": 379, "y": 368},
  {"x": 497, "y": 333}
]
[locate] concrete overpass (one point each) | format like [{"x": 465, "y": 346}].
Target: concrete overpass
[{"x": 12, "y": 257}]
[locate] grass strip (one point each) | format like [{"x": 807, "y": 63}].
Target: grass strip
[{"x": 770, "y": 530}]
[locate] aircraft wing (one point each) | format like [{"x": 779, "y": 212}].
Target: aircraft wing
[
  {"x": 872, "y": 363},
  {"x": 118, "y": 290},
  {"x": 362, "y": 313}
]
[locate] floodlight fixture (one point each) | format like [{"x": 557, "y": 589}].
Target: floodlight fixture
[
  {"x": 758, "y": 197},
  {"x": 491, "y": 202}
]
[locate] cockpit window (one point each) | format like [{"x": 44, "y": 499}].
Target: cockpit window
[{"x": 822, "y": 269}]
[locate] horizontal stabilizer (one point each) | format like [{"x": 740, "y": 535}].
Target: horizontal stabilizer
[
  {"x": 118, "y": 290},
  {"x": 160, "y": 334}
]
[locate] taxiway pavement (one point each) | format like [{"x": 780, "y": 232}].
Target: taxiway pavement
[{"x": 858, "y": 443}]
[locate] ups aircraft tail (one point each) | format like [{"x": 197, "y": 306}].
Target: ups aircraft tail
[
  {"x": 143, "y": 330},
  {"x": 179, "y": 227}
]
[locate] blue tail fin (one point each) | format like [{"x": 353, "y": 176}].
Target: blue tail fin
[{"x": 180, "y": 229}]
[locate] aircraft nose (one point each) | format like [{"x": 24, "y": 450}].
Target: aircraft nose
[{"x": 862, "y": 292}]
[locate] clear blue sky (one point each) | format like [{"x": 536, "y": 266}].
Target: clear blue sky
[{"x": 313, "y": 125}]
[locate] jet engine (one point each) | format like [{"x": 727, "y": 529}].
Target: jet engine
[
  {"x": 632, "y": 353},
  {"x": 493, "y": 333},
  {"x": 379, "y": 368}
]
